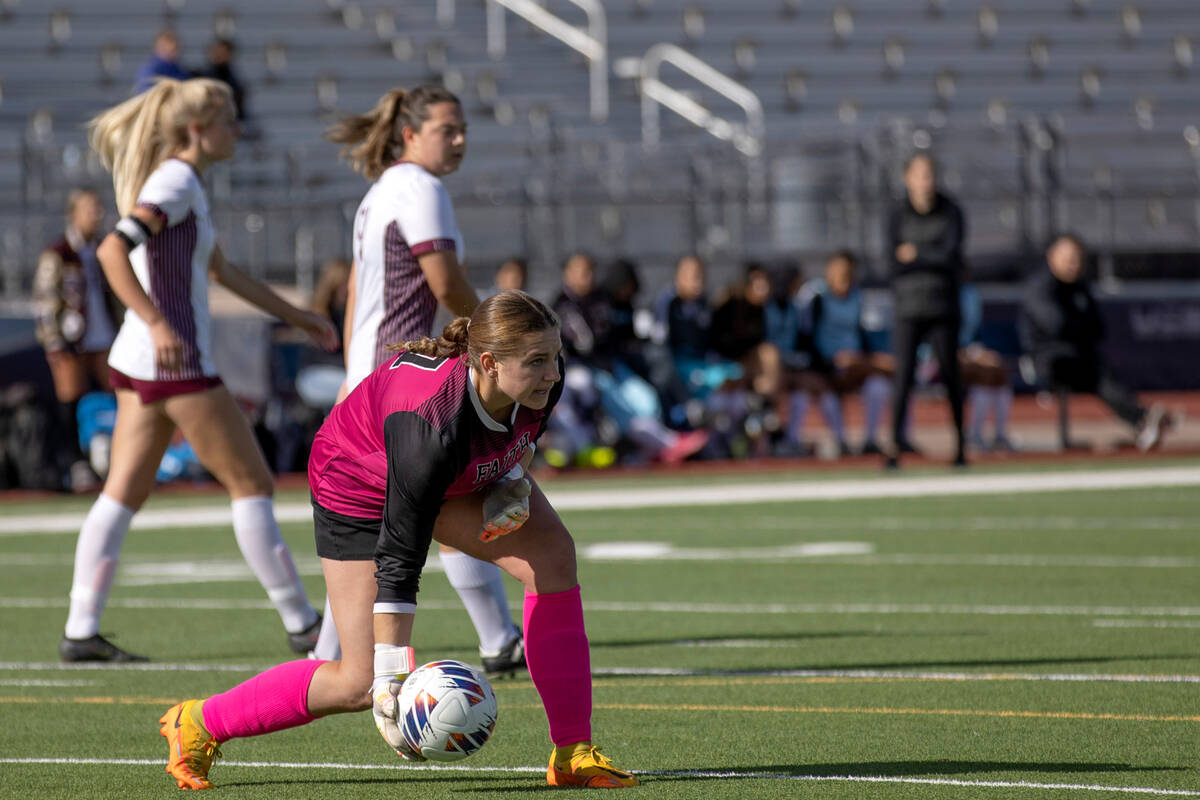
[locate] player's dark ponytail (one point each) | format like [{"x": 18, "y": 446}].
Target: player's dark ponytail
[
  {"x": 497, "y": 326},
  {"x": 373, "y": 140}
]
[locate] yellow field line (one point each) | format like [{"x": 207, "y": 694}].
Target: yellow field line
[
  {"x": 97, "y": 701},
  {"x": 674, "y": 683},
  {"x": 938, "y": 712}
]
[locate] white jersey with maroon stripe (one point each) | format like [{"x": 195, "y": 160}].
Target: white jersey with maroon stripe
[
  {"x": 405, "y": 214},
  {"x": 172, "y": 267}
]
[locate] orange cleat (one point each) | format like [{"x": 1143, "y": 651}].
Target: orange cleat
[
  {"x": 589, "y": 769},
  {"x": 192, "y": 748}
]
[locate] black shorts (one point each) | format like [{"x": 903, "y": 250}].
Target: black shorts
[{"x": 343, "y": 538}]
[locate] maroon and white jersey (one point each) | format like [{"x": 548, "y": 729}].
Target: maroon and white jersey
[
  {"x": 172, "y": 267},
  {"x": 412, "y": 435},
  {"x": 405, "y": 214}
]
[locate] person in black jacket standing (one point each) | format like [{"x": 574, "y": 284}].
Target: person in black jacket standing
[
  {"x": 1060, "y": 327},
  {"x": 925, "y": 236}
]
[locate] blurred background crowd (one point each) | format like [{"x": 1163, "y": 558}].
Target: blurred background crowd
[{"x": 963, "y": 200}]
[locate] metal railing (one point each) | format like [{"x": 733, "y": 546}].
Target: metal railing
[
  {"x": 592, "y": 43},
  {"x": 748, "y": 138},
  {"x": 821, "y": 194}
]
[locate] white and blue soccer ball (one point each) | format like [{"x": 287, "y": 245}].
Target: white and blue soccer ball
[{"x": 447, "y": 710}]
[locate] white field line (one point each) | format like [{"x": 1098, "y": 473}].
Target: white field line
[
  {"x": 691, "y": 496},
  {"x": 917, "y": 609},
  {"x": 1137, "y": 623},
  {"x": 875, "y": 674},
  {"x": 43, "y": 683},
  {"x": 142, "y": 572},
  {"x": 652, "y": 672},
  {"x": 790, "y": 523},
  {"x": 1015, "y": 560},
  {"x": 718, "y": 774}
]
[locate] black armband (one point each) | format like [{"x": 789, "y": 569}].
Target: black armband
[{"x": 132, "y": 231}]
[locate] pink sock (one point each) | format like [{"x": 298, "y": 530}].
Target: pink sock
[
  {"x": 270, "y": 701},
  {"x": 556, "y": 649}
]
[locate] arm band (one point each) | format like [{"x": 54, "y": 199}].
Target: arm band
[{"x": 132, "y": 231}]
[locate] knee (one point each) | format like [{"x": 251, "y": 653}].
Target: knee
[
  {"x": 251, "y": 483},
  {"x": 125, "y": 493},
  {"x": 555, "y": 569}
]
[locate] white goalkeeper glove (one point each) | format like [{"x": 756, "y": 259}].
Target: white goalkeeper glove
[
  {"x": 393, "y": 664},
  {"x": 506, "y": 506}
]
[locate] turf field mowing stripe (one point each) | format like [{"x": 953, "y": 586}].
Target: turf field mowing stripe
[
  {"x": 929, "y": 712},
  {"x": 918, "y": 609},
  {"x": 704, "y": 677},
  {"x": 602, "y": 500},
  {"x": 744, "y": 775},
  {"x": 109, "y": 700},
  {"x": 141, "y": 572}
]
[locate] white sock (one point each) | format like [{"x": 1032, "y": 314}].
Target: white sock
[
  {"x": 481, "y": 587},
  {"x": 831, "y": 410},
  {"x": 263, "y": 548},
  {"x": 328, "y": 648},
  {"x": 1002, "y": 397},
  {"x": 979, "y": 401},
  {"x": 797, "y": 414},
  {"x": 876, "y": 392},
  {"x": 96, "y": 555}
]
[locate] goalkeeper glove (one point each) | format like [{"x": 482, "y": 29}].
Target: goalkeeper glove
[
  {"x": 506, "y": 506},
  {"x": 393, "y": 664}
]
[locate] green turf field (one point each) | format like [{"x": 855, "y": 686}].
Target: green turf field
[{"x": 1036, "y": 645}]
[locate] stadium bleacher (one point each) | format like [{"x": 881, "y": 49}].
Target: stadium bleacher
[{"x": 1045, "y": 113}]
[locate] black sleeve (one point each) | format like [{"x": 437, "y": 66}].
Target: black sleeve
[
  {"x": 946, "y": 248},
  {"x": 722, "y": 337},
  {"x": 892, "y": 237},
  {"x": 1042, "y": 319},
  {"x": 577, "y": 337},
  {"x": 1095, "y": 320},
  {"x": 420, "y": 467}
]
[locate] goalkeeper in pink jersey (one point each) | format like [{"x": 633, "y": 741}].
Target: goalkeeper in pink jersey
[{"x": 434, "y": 444}]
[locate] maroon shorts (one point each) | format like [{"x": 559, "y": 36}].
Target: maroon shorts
[{"x": 153, "y": 391}]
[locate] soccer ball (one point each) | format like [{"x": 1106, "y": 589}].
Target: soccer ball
[{"x": 447, "y": 710}]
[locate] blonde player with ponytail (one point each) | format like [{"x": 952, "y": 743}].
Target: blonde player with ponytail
[
  {"x": 159, "y": 260},
  {"x": 407, "y": 261}
]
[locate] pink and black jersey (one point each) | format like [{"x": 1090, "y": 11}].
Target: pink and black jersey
[
  {"x": 172, "y": 268},
  {"x": 405, "y": 214},
  {"x": 412, "y": 435}
]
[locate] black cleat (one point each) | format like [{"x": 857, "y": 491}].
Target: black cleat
[
  {"x": 305, "y": 640},
  {"x": 509, "y": 660},
  {"x": 93, "y": 648}
]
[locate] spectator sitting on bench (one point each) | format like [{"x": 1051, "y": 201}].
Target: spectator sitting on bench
[
  {"x": 832, "y": 311},
  {"x": 1061, "y": 329}
]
